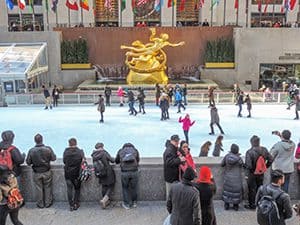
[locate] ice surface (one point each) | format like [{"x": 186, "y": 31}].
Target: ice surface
[{"x": 146, "y": 132}]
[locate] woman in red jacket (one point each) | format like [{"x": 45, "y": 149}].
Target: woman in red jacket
[{"x": 186, "y": 124}]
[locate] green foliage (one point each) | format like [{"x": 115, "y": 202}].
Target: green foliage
[
  {"x": 220, "y": 50},
  {"x": 74, "y": 51}
]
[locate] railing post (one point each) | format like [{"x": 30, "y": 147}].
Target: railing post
[
  {"x": 78, "y": 98},
  {"x": 202, "y": 98},
  {"x": 264, "y": 97},
  {"x": 63, "y": 99},
  {"x": 31, "y": 98},
  {"x": 218, "y": 95},
  {"x": 279, "y": 96}
]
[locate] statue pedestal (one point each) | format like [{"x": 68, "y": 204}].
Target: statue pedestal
[{"x": 158, "y": 77}]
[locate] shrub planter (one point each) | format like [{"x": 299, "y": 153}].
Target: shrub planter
[
  {"x": 219, "y": 65},
  {"x": 76, "y": 66}
]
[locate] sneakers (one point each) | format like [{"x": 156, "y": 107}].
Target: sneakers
[
  {"x": 125, "y": 206},
  {"x": 236, "y": 207},
  {"x": 226, "y": 206},
  {"x": 134, "y": 204},
  {"x": 211, "y": 133}
]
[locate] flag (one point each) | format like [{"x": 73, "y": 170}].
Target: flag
[
  {"x": 10, "y": 4},
  {"x": 54, "y": 5},
  {"x": 199, "y": 4},
  {"x": 141, "y": 2},
  {"x": 259, "y": 5},
  {"x": 30, "y": 3},
  {"x": 236, "y": 4},
  {"x": 21, "y": 4},
  {"x": 72, "y": 4},
  {"x": 171, "y": 3},
  {"x": 292, "y": 4},
  {"x": 158, "y": 4},
  {"x": 215, "y": 2},
  {"x": 266, "y": 6},
  {"x": 46, "y": 5},
  {"x": 123, "y": 5},
  {"x": 84, "y": 4},
  {"x": 285, "y": 6},
  {"x": 108, "y": 5},
  {"x": 181, "y": 7}
]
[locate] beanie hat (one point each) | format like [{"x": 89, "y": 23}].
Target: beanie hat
[
  {"x": 286, "y": 134},
  {"x": 234, "y": 149},
  {"x": 254, "y": 141},
  {"x": 189, "y": 174},
  {"x": 205, "y": 175}
]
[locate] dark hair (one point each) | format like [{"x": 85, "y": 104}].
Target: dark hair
[
  {"x": 286, "y": 134},
  {"x": 219, "y": 139},
  {"x": 255, "y": 141},
  {"x": 276, "y": 175},
  {"x": 72, "y": 141},
  {"x": 38, "y": 138}
]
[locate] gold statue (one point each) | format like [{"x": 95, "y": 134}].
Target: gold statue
[{"x": 147, "y": 62}]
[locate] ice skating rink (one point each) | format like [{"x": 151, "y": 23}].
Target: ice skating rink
[{"x": 146, "y": 132}]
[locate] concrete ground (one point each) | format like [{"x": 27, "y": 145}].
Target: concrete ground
[{"x": 147, "y": 213}]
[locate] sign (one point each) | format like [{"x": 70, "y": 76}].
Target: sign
[{"x": 290, "y": 56}]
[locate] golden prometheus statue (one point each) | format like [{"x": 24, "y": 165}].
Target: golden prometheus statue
[{"x": 147, "y": 62}]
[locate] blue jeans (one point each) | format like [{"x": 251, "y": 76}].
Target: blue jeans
[
  {"x": 285, "y": 186},
  {"x": 129, "y": 181}
]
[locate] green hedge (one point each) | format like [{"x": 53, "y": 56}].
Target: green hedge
[
  {"x": 74, "y": 51},
  {"x": 220, "y": 50}
]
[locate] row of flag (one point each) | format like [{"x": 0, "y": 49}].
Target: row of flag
[{"x": 287, "y": 5}]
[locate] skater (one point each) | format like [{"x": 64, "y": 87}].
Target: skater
[
  {"x": 101, "y": 107},
  {"x": 178, "y": 98},
  {"x": 186, "y": 124},
  {"x": 131, "y": 100},
  {"x": 249, "y": 104},
  {"x": 214, "y": 119},
  {"x": 104, "y": 172},
  {"x": 120, "y": 94},
  {"x": 47, "y": 97},
  {"x": 293, "y": 92},
  {"x": 297, "y": 105},
  {"x": 184, "y": 94},
  {"x": 157, "y": 94},
  {"x": 233, "y": 182},
  {"x": 240, "y": 103},
  {"x": 218, "y": 146},
  {"x": 107, "y": 93},
  {"x": 141, "y": 98},
  {"x": 170, "y": 93},
  {"x": 211, "y": 98},
  {"x": 55, "y": 96},
  {"x": 164, "y": 106},
  {"x": 205, "y": 149},
  {"x": 236, "y": 92}
]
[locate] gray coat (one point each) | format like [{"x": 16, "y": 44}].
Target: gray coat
[
  {"x": 184, "y": 204},
  {"x": 214, "y": 116},
  {"x": 283, "y": 154},
  {"x": 233, "y": 182}
]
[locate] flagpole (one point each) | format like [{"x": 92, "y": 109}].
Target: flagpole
[
  {"x": 273, "y": 13},
  {"x": 81, "y": 10},
  {"x": 120, "y": 11},
  {"x": 260, "y": 15},
  {"x": 47, "y": 14},
  {"x": 33, "y": 16},
  {"x": 21, "y": 19},
  {"x": 69, "y": 19},
  {"x": 237, "y": 15},
  {"x": 56, "y": 17},
  {"x": 8, "y": 26},
  {"x": 211, "y": 12},
  {"x": 172, "y": 14},
  {"x": 224, "y": 18},
  {"x": 247, "y": 12}
]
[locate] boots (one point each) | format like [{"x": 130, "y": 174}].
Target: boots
[{"x": 104, "y": 202}]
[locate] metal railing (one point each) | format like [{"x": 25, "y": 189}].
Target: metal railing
[{"x": 194, "y": 96}]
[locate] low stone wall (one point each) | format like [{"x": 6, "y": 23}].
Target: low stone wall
[{"x": 151, "y": 181}]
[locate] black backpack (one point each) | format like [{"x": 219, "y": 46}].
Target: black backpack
[
  {"x": 99, "y": 168},
  {"x": 267, "y": 209}
]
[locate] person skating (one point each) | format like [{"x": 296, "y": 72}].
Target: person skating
[
  {"x": 218, "y": 146},
  {"x": 211, "y": 98},
  {"x": 55, "y": 95},
  {"x": 164, "y": 106},
  {"x": 249, "y": 104},
  {"x": 47, "y": 97},
  {"x": 186, "y": 125},
  {"x": 297, "y": 104},
  {"x": 214, "y": 119},
  {"x": 178, "y": 98},
  {"x": 100, "y": 107},
  {"x": 205, "y": 149},
  {"x": 131, "y": 101},
  {"x": 157, "y": 94},
  {"x": 184, "y": 94},
  {"x": 121, "y": 94},
  {"x": 240, "y": 102},
  {"x": 141, "y": 98},
  {"x": 107, "y": 93}
]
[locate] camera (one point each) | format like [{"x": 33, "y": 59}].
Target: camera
[{"x": 276, "y": 132}]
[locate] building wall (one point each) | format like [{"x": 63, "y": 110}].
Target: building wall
[{"x": 151, "y": 185}]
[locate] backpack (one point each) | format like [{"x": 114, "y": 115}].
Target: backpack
[
  {"x": 14, "y": 198},
  {"x": 260, "y": 167},
  {"x": 5, "y": 157},
  {"x": 267, "y": 209},
  {"x": 99, "y": 168},
  {"x": 128, "y": 155}
]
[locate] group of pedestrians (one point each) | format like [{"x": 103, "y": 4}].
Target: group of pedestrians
[{"x": 190, "y": 199}]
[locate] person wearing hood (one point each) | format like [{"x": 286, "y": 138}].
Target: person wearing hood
[
  {"x": 141, "y": 98},
  {"x": 17, "y": 158},
  {"x": 183, "y": 201},
  {"x": 254, "y": 179},
  {"x": 214, "y": 119},
  {"x": 131, "y": 101},
  {"x": 186, "y": 125},
  {"x": 206, "y": 186},
  {"x": 283, "y": 154},
  {"x": 233, "y": 182},
  {"x": 107, "y": 181},
  {"x": 101, "y": 107}
]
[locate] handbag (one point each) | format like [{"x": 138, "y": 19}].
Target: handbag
[{"x": 85, "y": 172}]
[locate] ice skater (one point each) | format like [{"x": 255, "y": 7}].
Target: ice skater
[
  {"x": 184, "y": 94},
  {"x": 55, "y": 96},
  {"x": 178, "y": 98},
  {"x": 107, "y": 93},
  {"x": 297, "y": 105},
  {"x": 186, "y": 125},
  {"x": 121, "y": 94},
  {"x": 249, "y": 104},
  {"x": 240, "y": 103},
  {"x": 47, "y": 96},
  {"x": 101, "y": 107},
  {"x": 164, "y": 106},
  {"x": 211, "y": 97},
  {"x": 157, "y": 94},
  {"x": 214, "y": 119},
  {"x": 141, "y": 98},
  {"x": 131, "y": 101}
]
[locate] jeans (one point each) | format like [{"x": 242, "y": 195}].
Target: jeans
[
  {"x": 180, "y": 105},
  {"x": 43, "y": 185},
  {"x": 107, "y": 190},
  {"x": 73, "y": 198},
  {"x": 129, "y": 181},
  {"x": 55, "y": 101},
  {"x": 285, "y": 186},
  {"x": 186, "y": 134},
  {"x": 131, "y": 108},
  {"x": 184, "y": 100},
  {"x": 254, "y": 182},
  {"x": 240, "y": 110},
  {"x": 107, "y": 100},
  {"x": 13, "y": 213}
]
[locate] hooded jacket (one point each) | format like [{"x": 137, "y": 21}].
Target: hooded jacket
[
  {"x": 283, "y": 154},
  {"x": 72, "y": 159},
  {"x": 171, "y": 163},
  {"x": 17, "y": 157},
  {"x": 186, "y": 123}
]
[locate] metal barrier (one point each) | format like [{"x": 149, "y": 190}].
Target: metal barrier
[{"x": 194, "y": 96}]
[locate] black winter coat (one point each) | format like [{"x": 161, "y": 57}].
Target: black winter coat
[
  {"x": 183, "y": 204},
  {"x": 72, "y": 159},
  {"x": 171, "y": 163},
  {"x": 105, "y": 158},
  {"x": 206, "y": 193},
  {"x": 233, "y": 182}
]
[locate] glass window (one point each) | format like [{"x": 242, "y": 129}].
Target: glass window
[
  {"x": 266, "y": 19},
  {"x": 15, "y": 23}
]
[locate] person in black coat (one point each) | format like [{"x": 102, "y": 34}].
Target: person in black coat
[
  {"x": 47, "y": 97},
  {"x": 207, "y": 189},
  {"x": 107, "y": 93},
  {"x": 164, "y": 106},
  {"x": 108, "y": 181},
  {"x": 157, "y": 94},
  {"x": 72, "y": 158},
  {"x": 141, "y": 98},
  {"x": 55, "y": 95},
  {"x": 172, "y": 162},
  {"x": 131, "y": 101},
  {"x": 240, "y": 102}
]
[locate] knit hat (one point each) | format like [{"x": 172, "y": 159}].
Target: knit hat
[
  {"x": 205, "y": 175},
  {"x": 189, "y": 174},
  {"x": 234, "y": 149},
  {"x": 99, "y": 145}
]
